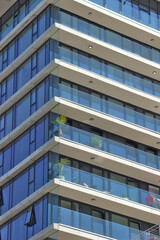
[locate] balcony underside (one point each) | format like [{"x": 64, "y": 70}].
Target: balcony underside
[
  {"x": 106, "y": 201},
  {"x": 107, "y": 52},
  {"x": 113, "y": 21},
  {"x": 108, "y": 161},
  {"x": 106, "y": 122},
  {"x": 107, "y": 86}
]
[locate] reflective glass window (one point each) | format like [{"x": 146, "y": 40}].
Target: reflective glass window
[{"x": 20, "y": 189}]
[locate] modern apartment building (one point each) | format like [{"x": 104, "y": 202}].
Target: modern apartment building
[{"x": 79, "y": 119}]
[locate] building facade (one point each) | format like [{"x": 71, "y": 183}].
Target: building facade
[{"x": 79, "y": 119}]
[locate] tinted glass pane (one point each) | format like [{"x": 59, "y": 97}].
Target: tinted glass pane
[
  {"x": 22, "y": 110},
  {"x": 20, "y": 189},
  {"x": 21, "y": 149}
]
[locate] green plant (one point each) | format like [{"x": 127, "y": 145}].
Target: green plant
[
  {"x": 61, "y": 164},
  {"x": 61, "y": 119},
  {"x": 96, "y": 141},
  {"x": 126, "y": 196}
]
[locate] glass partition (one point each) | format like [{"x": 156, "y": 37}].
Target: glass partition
[
  {"x": 110, "y": 71},
  {"x": 133, "y": 10},
  {"x": 109, "y": 107},
  {"x": 104, "y": 144},
  {"x": 111, "y": 37},
  {"x": 107, "y": 186},
  {"x": 81, "y": 221}
]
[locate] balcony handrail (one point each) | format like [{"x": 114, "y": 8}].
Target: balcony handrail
[{"x": 99, "y": 183}]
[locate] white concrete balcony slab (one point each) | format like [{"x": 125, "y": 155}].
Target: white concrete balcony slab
[
  {"x": 86, "y": 195},
  {"x": 67, "y": 233},
  {"x": 113, "y": 20},
  {"x": 107, "y": 51}
]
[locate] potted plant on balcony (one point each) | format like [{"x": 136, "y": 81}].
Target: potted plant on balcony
[
  {"x": 60, "y": 167},
  {"x": 96, "y": 141},
  {"x": 59, "y": 120},
  {"x": 125, "y": 196}
]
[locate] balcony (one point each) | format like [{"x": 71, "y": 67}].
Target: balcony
[
  {"x": 138, "y": 13},
  {"x": 105, "y": 185},
  {"x": 110, "y": 71},
  {"x": 73, "y": 224},
  {"x": 104, "y": 144},
  {"x": 109, "y": 36},
  {"x": 108, "y": 107}
]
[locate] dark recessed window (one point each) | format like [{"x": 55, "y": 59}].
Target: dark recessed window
[{"x": 1, "y": 198}]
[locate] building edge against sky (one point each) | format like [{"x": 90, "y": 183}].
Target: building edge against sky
[{"x": 79, "y": 119}]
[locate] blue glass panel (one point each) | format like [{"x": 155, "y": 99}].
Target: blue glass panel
[
  {"x": 39, "y": 175},
  {"x": 21, "y": 149},
  {"x": 41, "y": 59},
  {"x": 130, "y": 115},
  {"x": 41, "y": 24},
  {"x": 8, "y": 122},
  {"x": 120, "y": 232},
  {"x": 10, "y": 84},
  {"x": 98, "y": 226},
  {"x": 86, "y": 219},
  {"x": 11, "y": 52},
  {"x": 20, "y": 189},
  {"x": 46, "y": 134},
  {"x": 144, "y": 15},
  {"x": 116, "y": 110},
  {"x": 85, "y": 179},
  {"x": 117, "y": 148},
  {"x": 40, "y": 96},
  {"x": 25, "y": 40},
  {"x": 127, "y": 8},
  {"x": 150, "y": 122},
  {"x": 0, "y": 62},
  {"x": 118, "y": 189},
  {"x": 97, "y": 183},
  {"x": 39, "y": 219},
  {"x": 127, "y": 44},
  {"x": 99, "y": 2},
  {"x": 6, "y": 199},
  {"x": 83, "y": 26},
  {"x": 145, "y": 52},
  {"x": 18, "y": 229},
  {"x": 114, "y": 38},
  {"x": 95, "y": 66},
  {"x": 84, "y": 99},
  {"x": 114, "y": 7},
  {"x": 4, "y": 233},
  {"x": 136, "y": 13},
  {"x": 24, "y": 74},
  {"x": 148, "y": 86},
  {"x": 7, "y": 163},
  {"x": 39, "y": 134},
  {"x": 84, "y": 62},
  {"x": 155, "y": 55},
  {"x": 22, "y": 110},
  {"x": 154, "y": 19}
]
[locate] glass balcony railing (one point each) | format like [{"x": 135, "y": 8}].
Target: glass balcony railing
[
  {"x": 105, "y": 144},
  {"x": 13, "y": 21},
  {"x": 110, "y": 71},
  {"x": 110, "y": 37},
  {"x": 107, "y": 186},
  {"x": 139, "y": 13},
  {"x": 82, "y": 221},
  {"x": 108, "y": 107}
]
